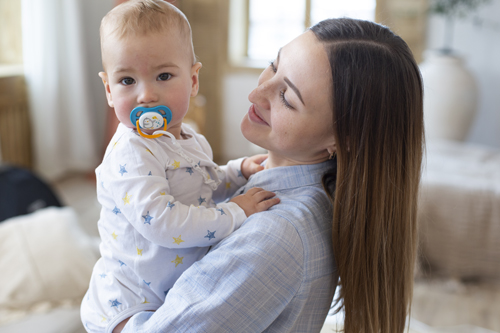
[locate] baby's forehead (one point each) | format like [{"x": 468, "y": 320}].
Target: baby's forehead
[
  {"x": 142, "y": 18},
  {"x": 119, "y": 33},
  {"x": 171, "y": 38}
]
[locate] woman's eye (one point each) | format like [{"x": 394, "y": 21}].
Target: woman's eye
[
  {"x": 284, "y": 101},
  {"x": 164, "y": 76},
  {"x": 127, "y": 81},
  {"x": 273, "y": 68}
]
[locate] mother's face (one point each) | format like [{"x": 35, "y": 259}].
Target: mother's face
[{"x": 291, "y": 112}]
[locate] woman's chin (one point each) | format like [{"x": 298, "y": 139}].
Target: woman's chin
[
  {"x": 249, "y": 133},
  {"x": 250, "y": 138}
]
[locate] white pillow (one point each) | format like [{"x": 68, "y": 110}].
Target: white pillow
[{"x": 45, "y": 257}]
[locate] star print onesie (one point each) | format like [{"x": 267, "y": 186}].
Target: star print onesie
[{"x": 158, "y": 217}]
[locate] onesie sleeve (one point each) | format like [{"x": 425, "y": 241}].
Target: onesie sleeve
[
  {"x": 135, "y": 180},
  {"x": 231, "y": 180},
  {"x": 230, "y": 176}
]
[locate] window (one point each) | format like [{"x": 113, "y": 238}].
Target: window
[
  {"x": 10, "y": 37},
  {"x": 258, "y": 28}
]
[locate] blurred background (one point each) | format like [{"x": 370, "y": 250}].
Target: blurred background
[{"x": 55, "y": 124}]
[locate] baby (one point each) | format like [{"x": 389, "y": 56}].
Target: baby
[{"x": 157, "y": 184}]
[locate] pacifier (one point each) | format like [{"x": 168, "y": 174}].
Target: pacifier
[{"x": 151, "y": 119}]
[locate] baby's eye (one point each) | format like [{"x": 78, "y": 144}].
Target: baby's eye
[
  {"x": 127, "y": 81},
  {"x": 164, "y": 76}
]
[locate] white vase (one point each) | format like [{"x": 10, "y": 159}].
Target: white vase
[{"x": 450, "y": 96}]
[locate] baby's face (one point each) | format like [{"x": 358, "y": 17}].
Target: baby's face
[{"x": 149, "y": 70}]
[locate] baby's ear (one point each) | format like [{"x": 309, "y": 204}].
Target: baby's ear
[
  {"x": 195, "y": 70},
  {"x": 104, "y": 78}
]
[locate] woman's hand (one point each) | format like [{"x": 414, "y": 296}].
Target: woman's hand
[
  {"x": 251, "y": 165},
  {"x": 255, "y": 200}
]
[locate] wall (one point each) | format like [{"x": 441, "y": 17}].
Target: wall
[
  {"x": 477, "y": 38},
  {"x": 235, "y": 104}
]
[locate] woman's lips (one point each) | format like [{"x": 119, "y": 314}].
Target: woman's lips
[{"x": 255, "y": 117}]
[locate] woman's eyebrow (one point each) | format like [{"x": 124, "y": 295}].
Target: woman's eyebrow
[{"x": 294, "y": 89}]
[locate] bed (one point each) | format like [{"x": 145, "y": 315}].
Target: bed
[{"x": 47, "y": 257}]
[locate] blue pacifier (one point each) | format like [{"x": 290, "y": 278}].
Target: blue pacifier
[{"x": 151, "y": 119}]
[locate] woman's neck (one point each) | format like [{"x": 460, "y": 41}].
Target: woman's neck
[{"x": 275, "y": 160}]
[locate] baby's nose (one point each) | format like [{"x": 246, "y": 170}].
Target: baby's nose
[{"x": 148, "y": 95}]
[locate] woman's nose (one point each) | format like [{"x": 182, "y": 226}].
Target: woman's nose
[
  {"x": 261, "y": 95},
  {"x": 147, "y": 94}
]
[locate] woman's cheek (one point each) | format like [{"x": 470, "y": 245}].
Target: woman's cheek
[
  {"x": 288, "y": 134},
  {"x": 248, "y": 132},
  {"x": 244, "y": 124}
]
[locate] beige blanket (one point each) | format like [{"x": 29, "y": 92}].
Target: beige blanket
[{"x": 459, "y": 211}]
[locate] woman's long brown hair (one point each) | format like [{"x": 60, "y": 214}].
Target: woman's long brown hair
[{"x": 378, "y": 126}]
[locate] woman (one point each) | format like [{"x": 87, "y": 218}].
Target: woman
[{"x": 340, "y": 112}]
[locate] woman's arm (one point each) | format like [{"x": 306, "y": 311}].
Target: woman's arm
[{"x": 242, "y": 285}]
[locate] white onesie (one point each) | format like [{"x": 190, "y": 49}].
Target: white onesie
[{"x": 158, "y": 217}]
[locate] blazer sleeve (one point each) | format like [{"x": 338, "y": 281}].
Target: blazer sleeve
[{"x": 241, "y": 285}]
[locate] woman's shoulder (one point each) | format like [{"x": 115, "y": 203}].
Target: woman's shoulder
[
  {"x": 302, "y": 204},
  {"x": 271, "y": 229},
  {"x": 305, "y": 213},
  {"x": 299, "y": 229}
]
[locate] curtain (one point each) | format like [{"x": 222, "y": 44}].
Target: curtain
[{"x": 63, "y": 126}]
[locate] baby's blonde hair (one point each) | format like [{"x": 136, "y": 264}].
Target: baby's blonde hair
[{"x": 141, "y": 17}]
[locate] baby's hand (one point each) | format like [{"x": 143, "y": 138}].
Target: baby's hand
[
  {"x": 255, "y": 200},
  {"x": 251, "y": 165}
]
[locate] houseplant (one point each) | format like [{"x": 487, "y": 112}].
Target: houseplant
[
  {"x": 452, "y": 10},
  {"x": 450, "y": 98}
]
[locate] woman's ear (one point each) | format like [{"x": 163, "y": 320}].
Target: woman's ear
[
  {"x": 104, "y": 78},
  {"x": 332, "y": 150},
  {"x": 195, "y": 70}
]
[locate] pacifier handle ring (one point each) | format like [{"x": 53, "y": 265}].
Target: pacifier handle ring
[{"x": 149, "y": 136}]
